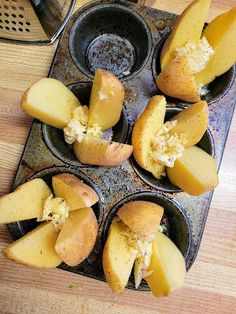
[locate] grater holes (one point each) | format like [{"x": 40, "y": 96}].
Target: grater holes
[
  {"x": 22, "y": 8},
  {"x": 13, "y": 22},
  {"x": 20, "y": 29},
  {"x": 27, "y": 23},
  {"x": 6, "y": 7},
  {"x": 0, "y": 26},
  {"x": 21, "y": 23},
  {"x": 21, "y": 16},
  {"x": 13, "y": 15},
  {"x": 6, "y": 14},
  {"x": 13, "y": 7},
  {"x": 27, "y": 30},
  {"x": 14, "y": 29},
  {"x": 6, "y": 21},
  {"x": 7, "y": 28}
]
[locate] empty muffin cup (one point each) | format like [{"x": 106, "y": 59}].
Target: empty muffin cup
[
  {"x": 54, "y": 138},
  {"x": 163, "y": 184},
  {"x": 18, "y": 229},
  {"x": 175, "y": 222},
  {"x": 215, "y": 90},
  {"x": 105, "y": 36}
]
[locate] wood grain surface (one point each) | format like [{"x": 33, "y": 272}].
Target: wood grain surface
[{"x": 211, "y": 283}]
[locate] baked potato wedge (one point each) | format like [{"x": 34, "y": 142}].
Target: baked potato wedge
[
  {"x": 192, "y": 122},
  {"x": 96, "y": 151},
  {"x": 76, "y": 193},
  {"x": 77, "y": 236},
  {"x": 221, "y": 34},
  {"x": 167, "y": 267},
  {"x": 106, "y": 100},
  {"x": 117, "y": 258},
  {"x": 144, "y": 130},
  {"x": 177, "y": 80},
  {"x": 50, "y": 101},
  {"x": 194, "y": 172},
  {"x": 36, "y": 248},
  {"x": 26, "y": 202},
  {"x": 188, "y": 28},
  {"x": 142, "y": 217}
]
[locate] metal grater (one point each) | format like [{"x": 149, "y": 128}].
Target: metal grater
[{"x": 33, "y": 22}]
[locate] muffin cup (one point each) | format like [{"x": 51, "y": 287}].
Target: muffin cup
[
  {"x": 54, "y": 138},
  {"x": 20, "y": 228},
  {"x": 105, "y": 37},
  {"x": 174, "y": 219},
  {"x": 163, "y": 184},
  {"x": 216, "y": 89}
]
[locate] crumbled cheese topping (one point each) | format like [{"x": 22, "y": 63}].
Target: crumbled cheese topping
[
  {"x": 166, "y": 147},
  {"x": 55, "y": 209},
  {"x": 125, "y": 73},
  {"x": 95, "y": 130},
  {"x": 198, "y": 55},
  {"x": 77, "y": 127},
  {"x": 142, "y": 250}
]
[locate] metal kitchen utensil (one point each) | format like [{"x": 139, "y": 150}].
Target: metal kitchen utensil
[
  {"x": 125, "y": 38},
  {"x": 33, "y": 22}
]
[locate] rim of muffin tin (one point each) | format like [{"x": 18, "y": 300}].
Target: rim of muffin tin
[
  {"x": 164, "y": 184},
  {"x": 20, "y": 228},
  {"x": 54, "y": 138},
  {"x": 124, "y": 10},
  {"x": 227, "y": 78},
  {"x": 172, "y": 210}
]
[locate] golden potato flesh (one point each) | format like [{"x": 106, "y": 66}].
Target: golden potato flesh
[
  {"x": 221, "y": 35},
  {"x": 145, "y": 129},
  {"x": 76, "y": 193},
  {"x": 194, "y": 172},
  {"x": 36, "y": 248},
  {"x": 177, "y": 80},
  {"x": 141, "y": 217},
  {"x": 96, "y": 151},
  {"x": 26, "y": 202},
  {"x": 117, "y": 258},
  {"x": 167, "y": 266},
  {"x": 192, "y": 122},
  {"x": 106, "y": 100},
  {"x": 50, "y": 101},
  {"x": 77, "y": 236},
  {"x": 188, "y": 28}
]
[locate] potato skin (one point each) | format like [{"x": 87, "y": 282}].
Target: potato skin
[
  {"x": 96, "y": 151},
  {"x": 177, "y": 80},
  {"x": 141, "y": 217},
  {"x": 77, "y": 236},
  {"x": 76, "y": 193},
  {"x": 106, "y": 100},
  {"x": 117, "y": 258},
  {"x": 144, "y": 130}
]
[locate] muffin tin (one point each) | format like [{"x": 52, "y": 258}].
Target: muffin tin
[{"x": 126, "y": 39}]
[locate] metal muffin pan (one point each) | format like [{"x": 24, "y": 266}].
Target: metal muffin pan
[{"x": 135, "y": 60}]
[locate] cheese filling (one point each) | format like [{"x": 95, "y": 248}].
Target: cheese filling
[
  {"x": 198, "y": 55},
  {"x": 166, "y": 147},
  {"x": 142, "y": 250},
  {"x": 55, "y": 209},
  {"x": 77, "y": 127}
]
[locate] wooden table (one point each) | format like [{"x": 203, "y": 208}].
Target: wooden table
[{"x": 211, "y": 283}]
